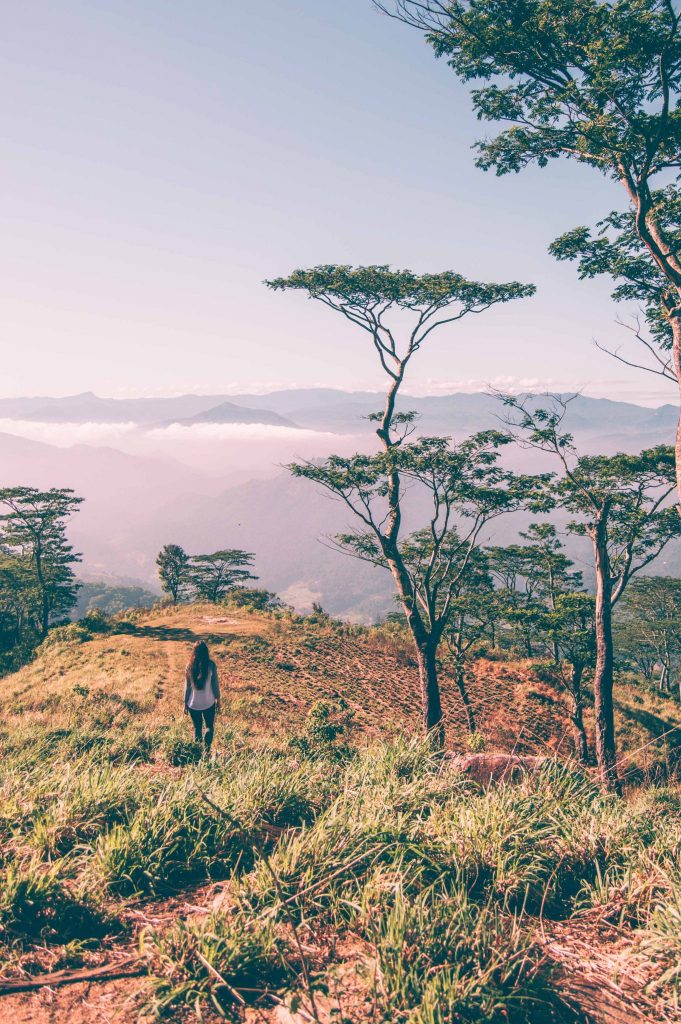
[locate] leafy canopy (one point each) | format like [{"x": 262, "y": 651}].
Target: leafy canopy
[
  {"x": 367, "y": 296},
  {"x": 626, "y": 494},
  {"x": 591, "y": 80}
]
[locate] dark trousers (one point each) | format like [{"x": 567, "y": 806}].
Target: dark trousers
[{"x": 198, "y": 718}]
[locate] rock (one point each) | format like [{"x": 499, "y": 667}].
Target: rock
[{"x": 488, "y": 768}]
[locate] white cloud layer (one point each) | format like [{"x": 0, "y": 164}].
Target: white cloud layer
[
  {"x": 233, "y": 432},
  {"x": 64, "y": 435}
]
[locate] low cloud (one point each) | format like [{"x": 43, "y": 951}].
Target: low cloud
[
  {"x": 191, "y": 432},
  {"x": 64, "y": 435}
]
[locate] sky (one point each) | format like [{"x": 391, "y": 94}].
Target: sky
[{"x": 161, "y": 158}]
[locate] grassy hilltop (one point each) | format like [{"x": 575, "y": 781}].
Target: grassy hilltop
[{"x": 346, "y": 856}]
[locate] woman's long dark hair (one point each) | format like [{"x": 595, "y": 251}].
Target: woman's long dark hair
[{"x": 199, "y": 663}]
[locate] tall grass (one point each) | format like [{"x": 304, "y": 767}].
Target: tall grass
[{"x": 445, "y": 885}]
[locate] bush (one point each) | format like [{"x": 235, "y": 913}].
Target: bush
[
  {"x": 244, "y": 952},
  {"x": 97, "y": 621},
  {"x": 35, "y": 904},
  {"x": 326, "y": 724},
  {"x": 254, "y": 598}
]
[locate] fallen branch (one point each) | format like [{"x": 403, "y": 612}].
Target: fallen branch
[{"x": 107, "y": 972}]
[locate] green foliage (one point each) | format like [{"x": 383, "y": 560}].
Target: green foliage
[
  {"x": 326, "y": 724},
  {"x": 255, "y": 598},
  {"x": 37, "y": 582},
  {"x": 647, "y": 628},
  {"x": 212, "y": 576},
  {"x": 593, "y": 81},
  {"x": 36, "y": 904},
  {"x": 589, "y": 81},
  {"x": 476, "y": 743},
  {"x": 446, "y": 883},
  {"x": 400, "y": 310},
  {"x": 244, "y": 950},
  {"x": 444, "y": 957},
  {"x": 628, "y": 492},
  {"x": 616, "y": 250},
  {"x": 173, "y": 570},
  {"x": 112, "y": 600},
  {"x": 366, "y": 293}
]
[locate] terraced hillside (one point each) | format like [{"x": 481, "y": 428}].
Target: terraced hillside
[
  {"x": 273, "y": 670},
  {"x": 355, "y": 879}
]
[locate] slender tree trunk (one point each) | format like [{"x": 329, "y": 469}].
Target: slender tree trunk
[
  {"x": 425, "y": 641},
  {"x": 426, "y": 655},
  {"x": 577, "y": 713},
  {"x": 44, "y": 598},
  {"x": 665, "y": 256},
  {"x": 676, "y": 361},
  {"x": 460, "y": 677},
  {"x": 606, "y": 753}
]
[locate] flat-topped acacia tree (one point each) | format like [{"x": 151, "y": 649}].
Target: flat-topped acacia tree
[
  {"x": 399, "y": 311},
  {"x": 596, "y": 81}
]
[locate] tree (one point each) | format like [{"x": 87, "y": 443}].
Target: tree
[
  {"x": 213, "y": 576},
  {"x": 399, "y": 311},
  {"x": 512, "y": 571},
  {"x": 473, "y": 613},
  {"x": 596, "y": 81},
  {"x": 17, "y": 592},
  {"x": 34, "y": 529},
  {"x": 531, "y": 577},
  {"x": 620, "y": 503},
  {"x": 173, "y": 570},
  {"x": 616, "y": 250},
  {"x": 570, "y": 626},
  {"x": 257, "y": 599},
  {"x": 647, "y": 623},
  {"x": 431, "y": 567}
]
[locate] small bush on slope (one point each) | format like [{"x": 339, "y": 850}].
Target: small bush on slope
[
  {"x": 246, "y": 951},
  {"x": 36, "y": 904}
]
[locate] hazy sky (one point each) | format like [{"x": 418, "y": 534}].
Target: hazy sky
[{"x": 162, "y": 157}]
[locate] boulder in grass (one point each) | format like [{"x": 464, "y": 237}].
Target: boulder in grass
[{"x": 488, "y": 768}]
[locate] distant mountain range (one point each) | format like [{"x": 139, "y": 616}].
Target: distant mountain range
[
  {"x": 140, "y": 498},
  {"x": 330, "y": 410}
]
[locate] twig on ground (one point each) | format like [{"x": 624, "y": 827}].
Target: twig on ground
[{"x": 106, "y": 972}]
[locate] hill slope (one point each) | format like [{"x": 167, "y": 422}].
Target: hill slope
[
  {"x": 124, "y": 854},
  {"x": 274, "y": 670}
]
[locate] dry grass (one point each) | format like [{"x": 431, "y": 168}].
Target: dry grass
[{"x": 98, "y": 813}]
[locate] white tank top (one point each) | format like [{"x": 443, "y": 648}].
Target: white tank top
[{"x": 201, "y": 700}]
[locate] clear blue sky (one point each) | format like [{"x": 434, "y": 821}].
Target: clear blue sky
[{"x": 161, "y": 158}]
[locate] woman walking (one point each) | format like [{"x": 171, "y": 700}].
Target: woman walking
[{"x": 202, "y": 693}]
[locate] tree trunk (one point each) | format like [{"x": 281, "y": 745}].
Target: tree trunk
[
  {"x": 426, "y": 641},
  {"x": 676, "y": 361},
  {"x": 577, "y": 713},
  {"x": 426, "y": 655},
  {"x": 460, "y": 677},
  {"x": 606, "y": 753}
]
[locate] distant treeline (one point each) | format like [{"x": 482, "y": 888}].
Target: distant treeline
[
  {"x": 202, "y": 577},
  {"x": 38, "y": 586}
]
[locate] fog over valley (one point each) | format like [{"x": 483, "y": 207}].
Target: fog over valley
[{"x": 208, "y": 471}]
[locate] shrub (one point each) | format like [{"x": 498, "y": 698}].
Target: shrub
[
  {"x": 35, "y": 904},
  {"x": 326, "y": 724},
  {"x": 244, "y": 952}
]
